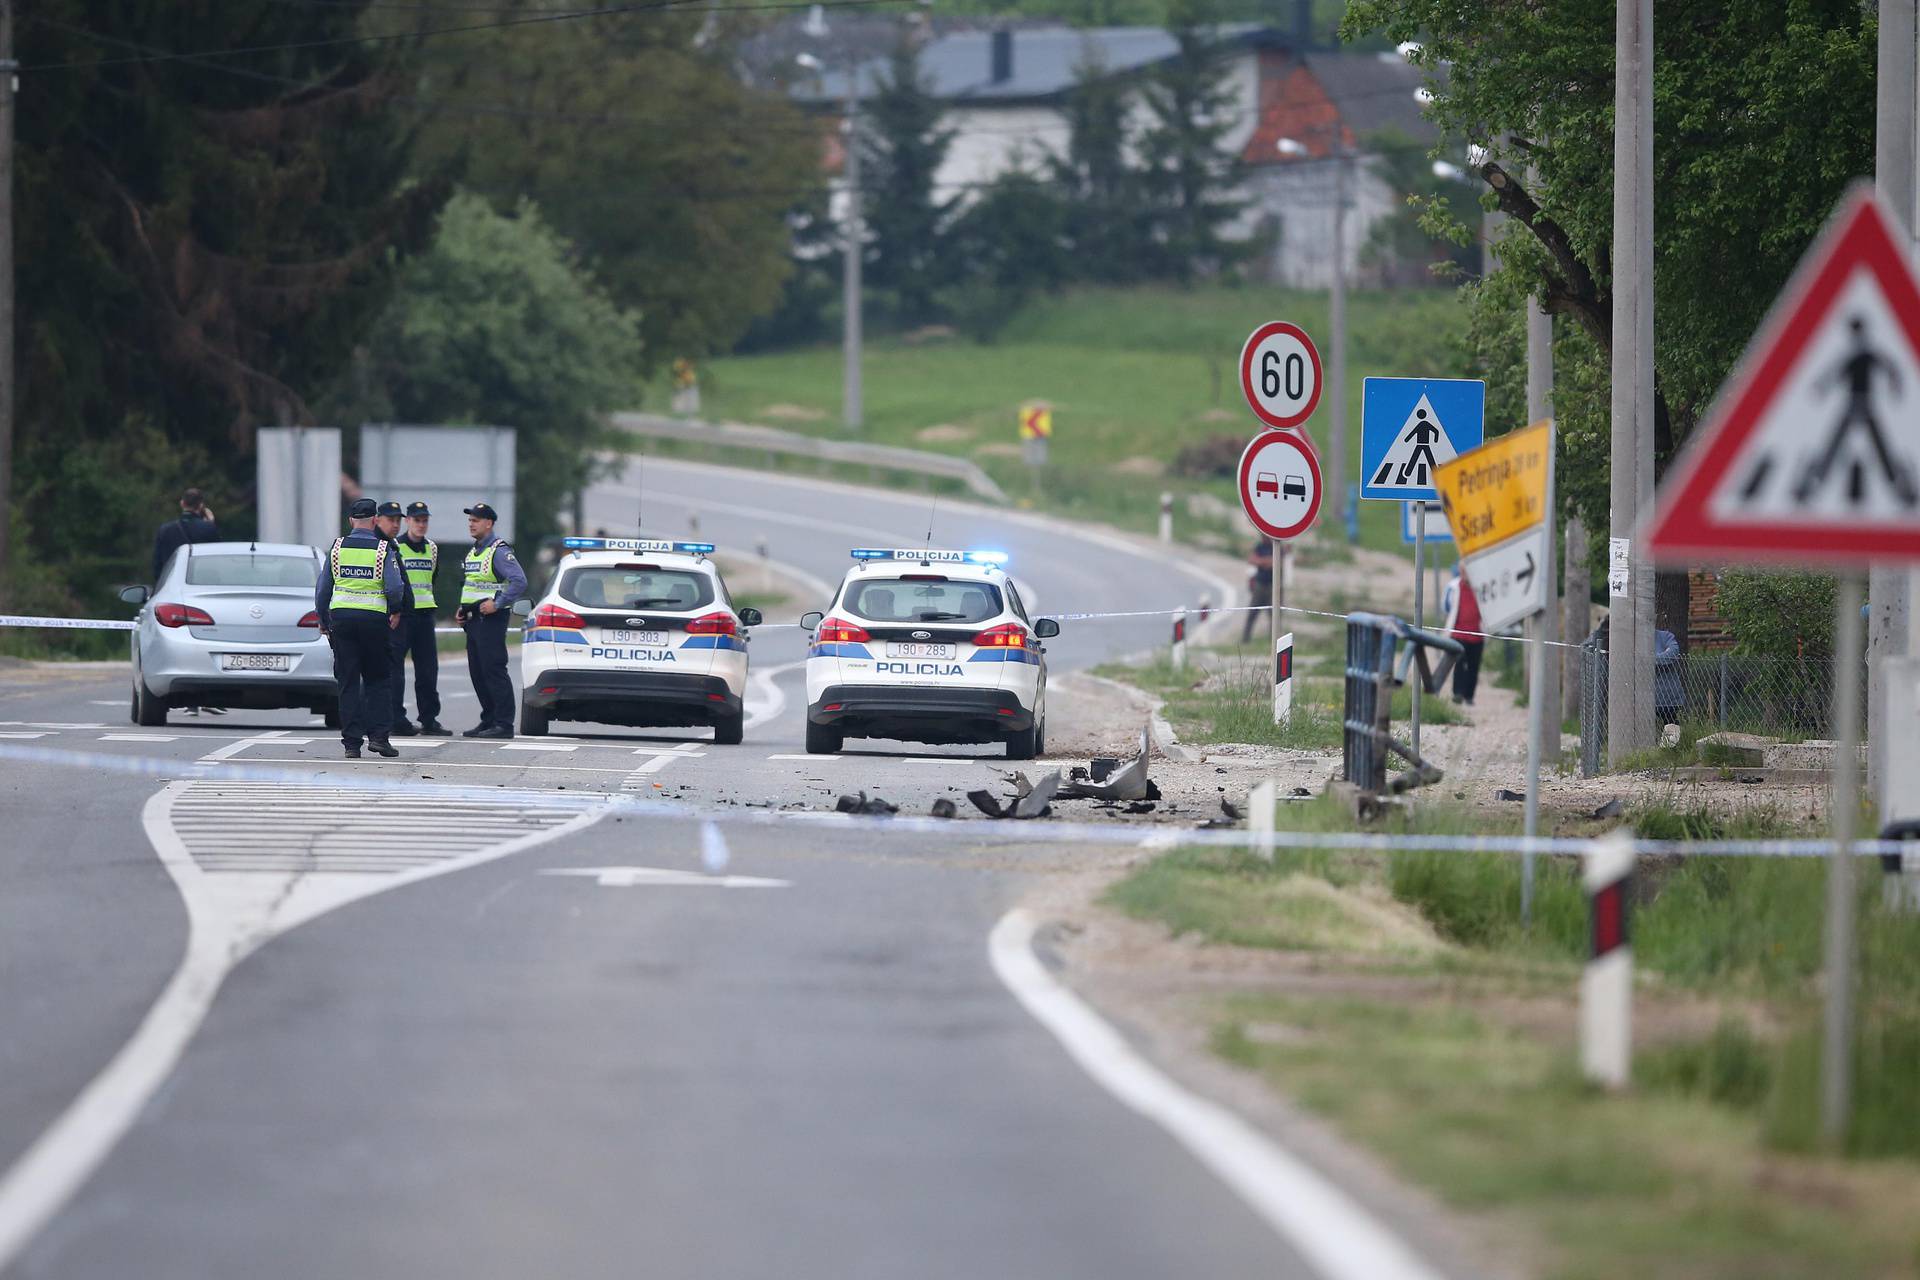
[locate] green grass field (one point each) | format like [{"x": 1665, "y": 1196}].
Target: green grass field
[{"x": 1133, "y": 375}]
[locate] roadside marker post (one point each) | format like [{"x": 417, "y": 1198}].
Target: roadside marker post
[
  {"x": 1260, "y": 817},
  {"x": 1166, "y": 517},
  {"x": 1036, "y": 428},
  {"x": 1606, "y": 985},
  {"x": 1180, "y": 641},
  {"x": 1283, "y": 679},
  {"x": 1811, "y": 453},
  {"x": 1499, "y": 504}
]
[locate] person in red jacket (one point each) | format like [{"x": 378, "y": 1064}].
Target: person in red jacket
[{"x": 1463, "y": 624}]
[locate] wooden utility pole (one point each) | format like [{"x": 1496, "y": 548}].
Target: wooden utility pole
[
  {"x": 9, "y": 70},
  {"x": 1630, "y": 630}
]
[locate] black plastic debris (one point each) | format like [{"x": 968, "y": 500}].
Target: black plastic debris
[
  {"x": 870, "y": 806},
  {"x": 1117, "y": 784},
  {"x": 988, "y": 803},
  {"x": 1504, "y": 794},
  {"x": 1611, "y": 809},
  {"x": 944, "y": 808}
]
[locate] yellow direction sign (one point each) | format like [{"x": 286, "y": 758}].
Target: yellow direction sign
[
  {"x": 1499, "y": 490},
  {"x": 1036, "y": 421}
]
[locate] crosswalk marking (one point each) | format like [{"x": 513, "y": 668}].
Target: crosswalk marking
[{"x": 536, "y": 746}]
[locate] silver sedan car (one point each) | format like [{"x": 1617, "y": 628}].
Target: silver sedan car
[{"x": 231, "y": 624}]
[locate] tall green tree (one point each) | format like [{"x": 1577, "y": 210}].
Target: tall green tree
[
  {"x": 499, "y": 323},
  {"x": 903, "y": 146},
  {"x": 1108, "y": 222},
  {"x": 1189, "y": 174}
]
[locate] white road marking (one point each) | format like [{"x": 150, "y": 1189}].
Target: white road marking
[
  {"x": 942, "y": 760},
  {"x": 654, "y": 765},
  {"x": 662, "y": 877},
  {"x": 48, "y": 724},
  {"x": 107, "y": 702},
  {"x": 235, "y": 748},
  {"x": 765, "y": 698},
  {"x": 689, "y": 750},
  {"x": 234, "y": 906},
  {"x": 536, "y": 746},
  {"x": 37, "y": 733},
  {"x": 1332, "y": 1232},
  {"x": 375, "y": 762},
  {"x": 803, "y": 756},
  {"x": 140, "y": 737}
]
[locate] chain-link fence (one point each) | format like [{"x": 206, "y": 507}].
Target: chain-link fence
[{"x": 1703, "y": 693}]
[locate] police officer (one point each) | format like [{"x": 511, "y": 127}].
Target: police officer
[
  {"x": 359, "y": 598},
  {"x": 493, "y": 581},
  {"x": 419, "y": 557}
]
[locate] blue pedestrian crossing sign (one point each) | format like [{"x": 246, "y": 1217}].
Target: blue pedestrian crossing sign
[{"x": 1409, "y": 426}]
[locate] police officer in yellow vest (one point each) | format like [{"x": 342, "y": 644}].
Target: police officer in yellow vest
[
  {"x": 493, "y": 581},
  {"x": 358, "y": 598},
  {"x": 419, "y": 556}
]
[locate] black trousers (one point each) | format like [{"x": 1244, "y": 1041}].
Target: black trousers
[
  {"x": 415, "y": 635},
  {"x": 1466, "y": 672},
  {"x": 487, "y": 664},
  {"x": 362, "y": 669}
]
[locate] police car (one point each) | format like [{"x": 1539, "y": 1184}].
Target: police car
[
  {"x": 928, "y": 645},
  {"x": 636, "y": 631}
]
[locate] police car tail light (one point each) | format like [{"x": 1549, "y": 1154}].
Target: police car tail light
[
  {"x": 713, "y": 624},
  {"x": 1008, "y": 635},
  {"x": 552, "y": 615},
  {"x": 840, "y": 631},
  {"x": 181, "y": 615},
  {"x": 311, "y": 620}
]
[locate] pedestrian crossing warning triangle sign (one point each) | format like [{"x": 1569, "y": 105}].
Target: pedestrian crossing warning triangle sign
[
  {"x": 1811, "y": 451},
  {"x": 1418, "y": 447}
]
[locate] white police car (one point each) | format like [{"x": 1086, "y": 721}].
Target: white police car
[
  {"x": 636, "y": 631},
  {"x": 928, "y": 645}
]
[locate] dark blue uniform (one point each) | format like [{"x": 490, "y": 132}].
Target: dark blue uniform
[{"x": 362, "y": 649}]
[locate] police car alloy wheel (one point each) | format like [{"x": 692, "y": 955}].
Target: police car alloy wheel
[
  {"x": 636, "y": 632},
  {"x": 927, "y": 645}
]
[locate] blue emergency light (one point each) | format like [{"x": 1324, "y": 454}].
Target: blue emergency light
[
  {"x": 637, "y": 544},
  {"x": 929, "y": 555}
]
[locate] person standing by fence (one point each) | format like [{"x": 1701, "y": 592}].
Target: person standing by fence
[{"x": 1463, "y": 624}]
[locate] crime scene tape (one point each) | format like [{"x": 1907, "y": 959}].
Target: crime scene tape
[
  {"x": 970, "y": 830},
  {"x": 69, "y": 624}
]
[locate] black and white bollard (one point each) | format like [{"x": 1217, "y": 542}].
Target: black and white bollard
[
  {"x": 1606, "y": 987},
  {"x": 1283, "y": 679},
  {"x": 1166, "y": 517},
  {"x": 1179, "y": 658}
]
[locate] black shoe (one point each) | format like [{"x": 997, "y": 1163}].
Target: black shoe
[
  {"x": 495, "y": 731},
  {"x": 434, "y": 729},
  {"x": 404, "y": 729},
  {"x": 381, "y": 747},
  {"x": 476, "y": 731},
  {"x": 353, "y": 753}
]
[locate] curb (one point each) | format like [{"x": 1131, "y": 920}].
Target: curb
[{"x": 1162, "y": 733}]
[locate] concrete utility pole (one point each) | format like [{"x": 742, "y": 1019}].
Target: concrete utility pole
[
  {"x": 1577, "y": 624},
  {"x": 1540, "y": 405},
  {"x": 1889, "y": 590},
  {"x": 1630, "y": 643},
  {"x": 855, "y": 244},
  {"x": 1337, "y": 349},
  {"x": 8, "y": 71}
]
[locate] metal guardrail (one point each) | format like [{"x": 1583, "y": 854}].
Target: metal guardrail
[
  {"x": 740, "y": 435},
  {"x": 1371, "y": 677}
]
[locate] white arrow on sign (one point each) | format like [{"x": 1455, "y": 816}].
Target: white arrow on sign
[
  {"x": 1510, "y": 581},
  {"x": 665, "y": 878}
]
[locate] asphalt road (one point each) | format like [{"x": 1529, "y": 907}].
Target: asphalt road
[{"x": 420, "y": 1056}]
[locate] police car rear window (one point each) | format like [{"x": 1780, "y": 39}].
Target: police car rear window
[
  {"x": 905, "y": 600},
  {"x": 251, "y": 571},
  {"x": 612, "y": 586}
]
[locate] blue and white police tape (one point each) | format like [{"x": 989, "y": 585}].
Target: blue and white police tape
[
  {"x": 65, "y": 624},
  {"x": 335, "y": 774}
]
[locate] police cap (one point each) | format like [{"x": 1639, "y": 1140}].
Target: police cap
[
  {"x": 418, "y": 509},
  {"x": 389, "y": 509},
  {"x": 363, "y": 509},
  {"x": 482, "y": 510}
]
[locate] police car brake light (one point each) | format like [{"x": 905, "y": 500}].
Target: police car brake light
[
  {"x": 181, "y": 615},
  {"x": 309, "y": 619},
  {"x": 929, "y": 555},
  {"x": 713, "y": 624},
  {"x": 1008, "y": 635},
  {"x": 637, "y": 544},
  {"x": 840, "y": 631},
  {"x": 552, "y": 615}
]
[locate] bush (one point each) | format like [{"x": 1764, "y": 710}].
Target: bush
[
  {"x": 1213, "y": 458},
  {"x": 1779, "y": 615}
]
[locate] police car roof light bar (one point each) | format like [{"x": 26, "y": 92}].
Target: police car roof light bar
[
  {"x": 637, "y": 544},
  {"x": 930, "y": 555}
]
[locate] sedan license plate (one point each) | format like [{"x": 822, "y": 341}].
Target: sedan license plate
[
  {"x": 655, "y": 638},
  {"x": 913, "y": 649},
  {"x": 254, "y": 662}
]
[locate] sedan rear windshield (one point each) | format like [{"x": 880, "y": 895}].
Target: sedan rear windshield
[
  {"x": 251, "y": 570},
  {"x": 612, "y": 586},
  {"x": 907, "y": 600}
]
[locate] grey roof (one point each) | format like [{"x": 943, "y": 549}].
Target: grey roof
[
  {"x": 1373, "y": 92},
  {"x": 1046, "y": 61}
]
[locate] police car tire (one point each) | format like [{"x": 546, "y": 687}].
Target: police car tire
[
  {"x": 824, "y": 740},
  {"x": 533, "y": 724},
  {"x": 730, "y": 731},
  {"x": 1025, "y": 744},
  {"x": 149, "y": 712}
]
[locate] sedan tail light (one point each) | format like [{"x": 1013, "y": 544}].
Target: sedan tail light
[
  {"x": 1008, "y": 635},
  {"x": 552, "y": 615},
  {"x": 716, "y": 623},
  {"x": 840, "y": 631},
  {"x": 311, "y": 620},
  {"x": 181, "y": 615}
]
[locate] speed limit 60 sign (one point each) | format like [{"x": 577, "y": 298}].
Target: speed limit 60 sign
[{"x": 1280, "y": 374}]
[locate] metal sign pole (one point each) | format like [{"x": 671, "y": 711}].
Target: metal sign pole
[
  {"x": 1419, "y": 616},
  {"x": 1836, "y": 1050}
]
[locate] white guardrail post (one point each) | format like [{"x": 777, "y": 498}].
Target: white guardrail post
[
  {"x": 1283, "y": 679},
  {"x": 1179, "y": 658},
  {"x": 1166, "y": 517},
  {"x": 1606, "y": 986}
]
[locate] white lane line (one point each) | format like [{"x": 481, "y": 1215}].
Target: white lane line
[
  {"x": 536, "y": 746},
  {"x": 50, "y": 724},
  {"x": 765, "y": 698},
  {"x": 1332, "y": 1232},
  {"x": 803, "y": 756},
  {"x": 943, "y": 760},
  {"x": 664, "y": 877},
  {"x": 107, "y": 702},
  {"x": 689, "y": 750},
  {"x": 141, "y": 737},
  {"x": 223, "y": 928},
  {"x": 375, "y": 762},
  {"x": 37, "y": 733},
  {"x": 235, "y": 748}
]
